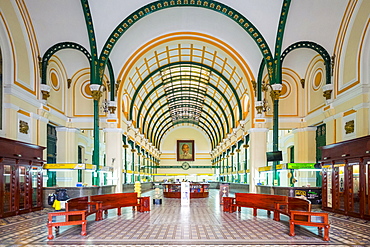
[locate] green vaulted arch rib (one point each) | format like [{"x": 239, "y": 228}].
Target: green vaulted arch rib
[
  {"x": 159, "y": 133},
  {"x": 234, "y": 15},
  {"x": 215, "y": 125},
  {"x": 213, "y": 100},
  {"x": 57, "y": 47},
  {"x": 130, "y": 115},
  {"x": 98, "y": 65},
  {"x": 313, "y": 46},
  {"x": 171, "y": 126},
  {"x": 166, "y": 105}
]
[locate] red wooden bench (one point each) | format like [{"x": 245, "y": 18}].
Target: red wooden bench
[
  {"x": 144, "y": 204},
  {"x": 319, "y": 220},
  {"x": 82, "y": 203},
  {"x": 292, "y": 203},
  {"x": 67, "y": 222},
  {"x": 256, "y": 201},
  {"x": 117, "y": 200},
  {"x": 77, "y": 209}
]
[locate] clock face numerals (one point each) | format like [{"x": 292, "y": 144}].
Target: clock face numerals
[{"x": 185, "y": 165}]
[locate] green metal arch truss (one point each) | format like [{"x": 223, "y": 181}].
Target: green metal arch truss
[
  {"x": 215, "y": 101},
  {"x": 112, "y": 80},
  {"x": 279, "y": 41},
  {"x": 185, "y": 63},
  {"x": 92, "y": 41},
  {"x": 159, "y": 98},
  {"x": 214, "y": 121},
  {"x": 259, "y": 80},
  {"x": 57, "y": 47},
  {"x": 169, "y": 127},
  {"x": 223, "y": 9},
  {"x": 208, "y": 131},
  {"x": 316, "y": 47}
]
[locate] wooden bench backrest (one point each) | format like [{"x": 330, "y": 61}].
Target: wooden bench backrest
[
  {"x": 299, "y": 204},
  {"x": 79, "y": 203},
  {"x": 263, "y": 201},
  {"x": 116, "y": 199}
]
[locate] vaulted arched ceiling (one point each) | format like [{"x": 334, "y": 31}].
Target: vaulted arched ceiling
[
  {"x": 198, "y": 81},
  {"x": 186, "y": 83}
]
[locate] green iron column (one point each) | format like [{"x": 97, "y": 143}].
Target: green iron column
[
  {"x": 238, "y": 164},
  {"x": 96, "y": 94},
  {"x": 125, "y": 164},
  {"x": 133, "y": 165},
  {"x": 245, "y": 146},
  {"x": 232, "y": 167},
  {"x": 138, "y": 166},
  {"x": 275, "y": 139},
  {"x": 275, "y": 93}
]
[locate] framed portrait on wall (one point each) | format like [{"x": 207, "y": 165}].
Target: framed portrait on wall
[{"x": 185, "y": 150}]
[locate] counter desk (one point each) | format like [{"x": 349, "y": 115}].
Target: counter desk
[{"x": 196, "y": 190}]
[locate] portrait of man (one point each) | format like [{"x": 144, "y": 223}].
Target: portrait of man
[{"x": 185, "y": 150}]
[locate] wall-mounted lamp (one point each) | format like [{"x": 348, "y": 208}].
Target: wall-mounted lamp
[
  {"x": 275, "y": 92},
  {"x": 262, "y": 106}
]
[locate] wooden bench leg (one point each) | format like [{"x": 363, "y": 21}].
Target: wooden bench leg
[
  {"x": 254, "y": 211},
  {"x": 232, "y": 208},
  {"x": 50, "y": 231},
  {"x": 291, "y": 232},
  {"x": 326, "y": 233},
  {"x": 276, "y": 216},
  {"x": 83, "y": 231}
]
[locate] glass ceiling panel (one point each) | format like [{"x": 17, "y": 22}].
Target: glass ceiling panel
[{"x": 185, "y": 87}]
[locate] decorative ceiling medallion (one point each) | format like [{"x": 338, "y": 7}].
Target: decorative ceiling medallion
[
  {"x": 285, "y": 91},
  {"x": 54, "y": 80},
  {"x": 85, "y": 90},
  {"x": 317, "y": 80}
]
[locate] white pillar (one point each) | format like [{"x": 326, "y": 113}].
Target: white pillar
[
  {"x": 67, "y": 151},
  {"x": 257, "y": 150},
  {"x": 114, "y": 157},
  {"x": 305, "y": 145}
]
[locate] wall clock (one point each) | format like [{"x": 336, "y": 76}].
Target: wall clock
[{"x": 185, "y": 165}]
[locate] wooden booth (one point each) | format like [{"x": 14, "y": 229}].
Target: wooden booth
[
  {"x": 20, "y": 177},
  {"x": 346, "y": 177}
]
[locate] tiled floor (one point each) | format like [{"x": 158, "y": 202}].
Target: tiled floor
[{"x": 201, "y": 224}]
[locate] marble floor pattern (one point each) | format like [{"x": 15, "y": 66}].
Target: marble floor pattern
[{"x": 169, "y": 224}]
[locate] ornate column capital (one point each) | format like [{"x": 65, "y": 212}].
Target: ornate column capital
[
  {"x": 45, "y": 90},
  {"x": 96, "y": 93},
  {"x": 327, "y": 89}
]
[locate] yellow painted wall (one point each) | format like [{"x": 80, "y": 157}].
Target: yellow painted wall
[{"x": 201, "y": 144}]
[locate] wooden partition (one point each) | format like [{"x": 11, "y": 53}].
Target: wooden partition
[
  {"x": 346, "y": 176},
  {"x": 20, "y": 177}
]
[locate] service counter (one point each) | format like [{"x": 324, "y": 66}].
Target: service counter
[
  {"x": 311, "y": 193},
  {"x": 74, "y": 192},
  {"x": 196, "y": 190}
]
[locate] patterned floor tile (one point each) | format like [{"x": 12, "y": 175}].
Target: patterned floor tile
[{"x": 201, "y": 224}]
